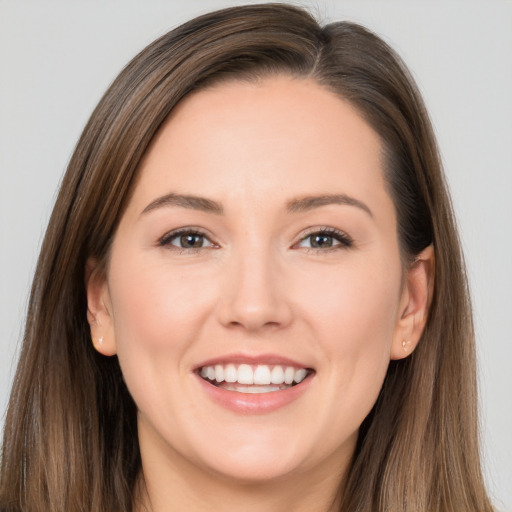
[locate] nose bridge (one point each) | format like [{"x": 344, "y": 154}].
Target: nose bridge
[{"x": 254, "y": 296}]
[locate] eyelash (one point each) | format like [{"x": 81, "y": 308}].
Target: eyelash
[
  {"x": 166, "y": 240},
  {"x": 344, "y": 240}
]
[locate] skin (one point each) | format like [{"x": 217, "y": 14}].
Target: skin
[{"x": 257, "y": 287}]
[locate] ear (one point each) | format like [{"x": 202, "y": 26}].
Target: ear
[
  {"x": 415, "y": 303},
  {"x": 99, "y": 309}
]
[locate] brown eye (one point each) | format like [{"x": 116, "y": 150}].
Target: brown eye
[
  {"x": 319, "y": 241},
  {"x": 186, "y": 239},
  {"x": 326, "y": 239},
  {"x": 190, "y": 241}
]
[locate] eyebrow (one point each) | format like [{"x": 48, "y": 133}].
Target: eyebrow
[
  {"x": 186, "y": 201},
  {"x": 302, "y": 204},
  {"x": 306, "y": 203}
]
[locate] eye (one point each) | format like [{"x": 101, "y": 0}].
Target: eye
[
  {"x": 186, "y": 239},
  {"x": 325, "y": 239}
]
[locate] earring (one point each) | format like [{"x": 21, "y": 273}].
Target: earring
[{"x": 405, "y": 344}]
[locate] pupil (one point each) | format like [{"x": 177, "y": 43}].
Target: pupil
[
  {"x": 322, "y": 241},
  {"x": 191, "y": 241}
]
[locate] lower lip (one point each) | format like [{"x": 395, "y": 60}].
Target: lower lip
[{"x": 255, "y": 403}]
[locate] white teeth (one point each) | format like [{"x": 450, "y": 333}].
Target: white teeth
[
  {"x": 289, "y": 373},
  {"x": 245, "y": 374},
  {"x": 230, "y": 373},
  {"x": 277, "y": 376},
  {"x": 253, "y": 389},
  {"x": 300, "y": 375},
  {"x": 219, "y": 373},
  {"x": 272, "y": 377},
  {"x": 262, "y": 375}
]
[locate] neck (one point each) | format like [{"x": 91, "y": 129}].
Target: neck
[
  {"x": 171, "y": 483},
  {"x": 298, "y": 494}
]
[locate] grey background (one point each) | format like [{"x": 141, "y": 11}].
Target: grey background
[{"x": 57, "y": 58}]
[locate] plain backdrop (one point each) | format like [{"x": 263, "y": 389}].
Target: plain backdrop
[{"x": 57, "y": 58}]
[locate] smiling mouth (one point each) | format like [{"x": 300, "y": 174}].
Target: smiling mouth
[{"x": 245, "y": 378}]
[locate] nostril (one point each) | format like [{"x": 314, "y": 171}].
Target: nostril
[{"x": 239, "y": 315}]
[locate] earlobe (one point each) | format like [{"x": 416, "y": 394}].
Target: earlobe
[
  {"x": 415, "y": 304},
  {"x": 99, "y": 311}
]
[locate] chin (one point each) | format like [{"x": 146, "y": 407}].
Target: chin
[
  {"x": 255, "y": 469},
  {"x": 262, "y": 456}
]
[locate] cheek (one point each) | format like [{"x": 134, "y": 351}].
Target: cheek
[
  {"x": 353, "y": 319},
  {"x": 158, "y": 314},
  {"x": 355, "y": 306},
  {"x": 154, "y": 304}
]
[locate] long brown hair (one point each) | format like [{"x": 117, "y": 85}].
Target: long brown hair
[{"x": 70, "y": 441}]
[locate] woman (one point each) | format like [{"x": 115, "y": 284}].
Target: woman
[{"x": 241, "y": 301}]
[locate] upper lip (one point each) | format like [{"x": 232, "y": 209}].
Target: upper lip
[{"x": 252, "y": 359}]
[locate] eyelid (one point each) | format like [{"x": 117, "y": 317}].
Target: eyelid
[
  {"x": 345, "y": 240},
  {"x": 165, "y": 240}
]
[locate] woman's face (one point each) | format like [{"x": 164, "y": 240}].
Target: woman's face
[{"x": 259, "y": 244}]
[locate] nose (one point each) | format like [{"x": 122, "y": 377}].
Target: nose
[{"x": 254, "y": 294}]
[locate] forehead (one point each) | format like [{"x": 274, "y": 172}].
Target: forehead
[{"x": 276, "y": 135}]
